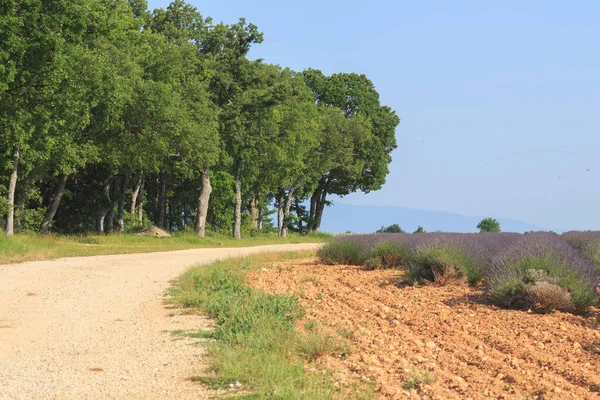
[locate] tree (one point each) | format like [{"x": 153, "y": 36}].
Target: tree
[
  {"x": 394, "y": 228},
  {"x": 488, "y": 225},
  {"x": 419, "y": 230},
  {"x": 356, "y": 98}
]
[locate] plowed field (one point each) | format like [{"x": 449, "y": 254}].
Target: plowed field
[{"x": 471, "y": 349}]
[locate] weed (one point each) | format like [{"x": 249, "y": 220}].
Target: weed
[
  {"x": 311, "y": 325},
  {"x": 317, "y": 344},
  {"x": 417, "y": 378},
  {"x": 346, "y": 334},
  {"x": 310, "y": 279}
]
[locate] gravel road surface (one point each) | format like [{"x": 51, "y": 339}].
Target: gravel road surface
[{"x": 97, "y": 327}]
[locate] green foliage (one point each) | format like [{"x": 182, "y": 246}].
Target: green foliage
[
  {"x": 420, "y": 230},
  {"x": 109, "y": 94},
  {"x": 488, "y": 225},
  {"x": 394, "y": 228}
]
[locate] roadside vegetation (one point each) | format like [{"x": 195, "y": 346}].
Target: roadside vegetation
[
  {"x": 33, "y": 247},
  {"x": 538, "y": 271},
  {"x": 258, "y": 348}
]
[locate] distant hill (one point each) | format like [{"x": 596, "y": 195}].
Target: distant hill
[{"x": 340, "y": 218}]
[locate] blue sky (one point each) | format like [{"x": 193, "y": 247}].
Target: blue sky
[{"x": 499, "y": 101}]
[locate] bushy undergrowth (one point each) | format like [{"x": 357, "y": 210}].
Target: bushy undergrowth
[
  {"x": 256, "y": 344},
  {"x": 588, "y": 243},
  {"x": 543, "y": 272}
]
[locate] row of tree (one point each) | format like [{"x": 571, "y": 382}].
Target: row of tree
[{"x": 112, "y": 115}]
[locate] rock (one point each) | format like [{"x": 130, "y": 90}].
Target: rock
[
  {"x": 459, "y": 379},
  {"x": 577, "y": 346},
  {"x": 154, "y": 232},
  {"x": 431, "y": 345},
  {"x": 385, "y": 309},
  {"x": 557, "y": 390},
  {"x": 394, "y": 322},
  {"x": 418, "y": 343},
  {"x": 264, "y": 270},
  {"x": 500, "y": 376}
]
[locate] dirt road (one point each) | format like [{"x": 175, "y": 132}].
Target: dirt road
[{"x": 97, "y": 328}]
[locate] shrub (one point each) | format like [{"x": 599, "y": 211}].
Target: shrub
[
  {"x": 388, "y": 255},
  {"x": 547, "y": 297},
  {"x": 522, "y": 275},
  {"x": 343, "y": 251},
  {"x": 444, "y": 259},
  {"x": 588, "y": 243}
]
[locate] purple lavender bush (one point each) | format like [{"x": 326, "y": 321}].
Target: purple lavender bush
[
  {"x": 428, "y": 256},
  {"x": 588, "y": 244},
  {"x": 540, "y": 270}
]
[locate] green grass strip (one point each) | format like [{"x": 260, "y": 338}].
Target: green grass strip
[
  {"x": 33, "y": 247},
  {"x": 256, "y": 343}
]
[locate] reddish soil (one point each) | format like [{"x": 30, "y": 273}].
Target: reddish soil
[{"x": 475, "y": 350}]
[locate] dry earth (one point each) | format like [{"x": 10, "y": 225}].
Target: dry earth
[
  {"x": 475, "y": 350},
  {"x": 97, "y": 328}
]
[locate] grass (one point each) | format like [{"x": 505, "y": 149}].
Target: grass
[
  {"x": 418, "y": 378},
  {"x": 256, "y": 340},
  {"x": 32, "y": 247}
]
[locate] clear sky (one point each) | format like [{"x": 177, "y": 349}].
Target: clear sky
[{"x": 499, "y": 101}]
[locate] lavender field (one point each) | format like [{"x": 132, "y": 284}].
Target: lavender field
[{"x": 541, "y": 271}]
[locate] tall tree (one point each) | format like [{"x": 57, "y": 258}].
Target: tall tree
[{"x": 356, "y": 97}]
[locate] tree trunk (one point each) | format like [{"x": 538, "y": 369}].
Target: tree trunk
[
  {"x": 162, "y": 201},
  {"x": 105, "y": 207},
  {"x": 288, "y": 207},
  {"x": 319, "y": 211},
  {"x": 140, "y": 203},
  {"x": 280, "y": 202},
  {"x": 110, "y": 216},
  {"x": 260, "y": 219},
  {"x": 298, "y": 214},
  {"x": 12, "y": 187},
  {"x": 121, "y": 212},
  {"x": 202, "y": 211},
  {"x": 135, "y": 194},
  {"x": 254, "y": 212},
  {"x": 313, "y": 210},
  {"x": 57, "y": 195},
  {"x": 237, "y": 223}
]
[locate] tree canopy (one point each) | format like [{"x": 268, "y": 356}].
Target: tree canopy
[
  {"x": 489, "y": 225},
  {"x": 115, "y": 117}
]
